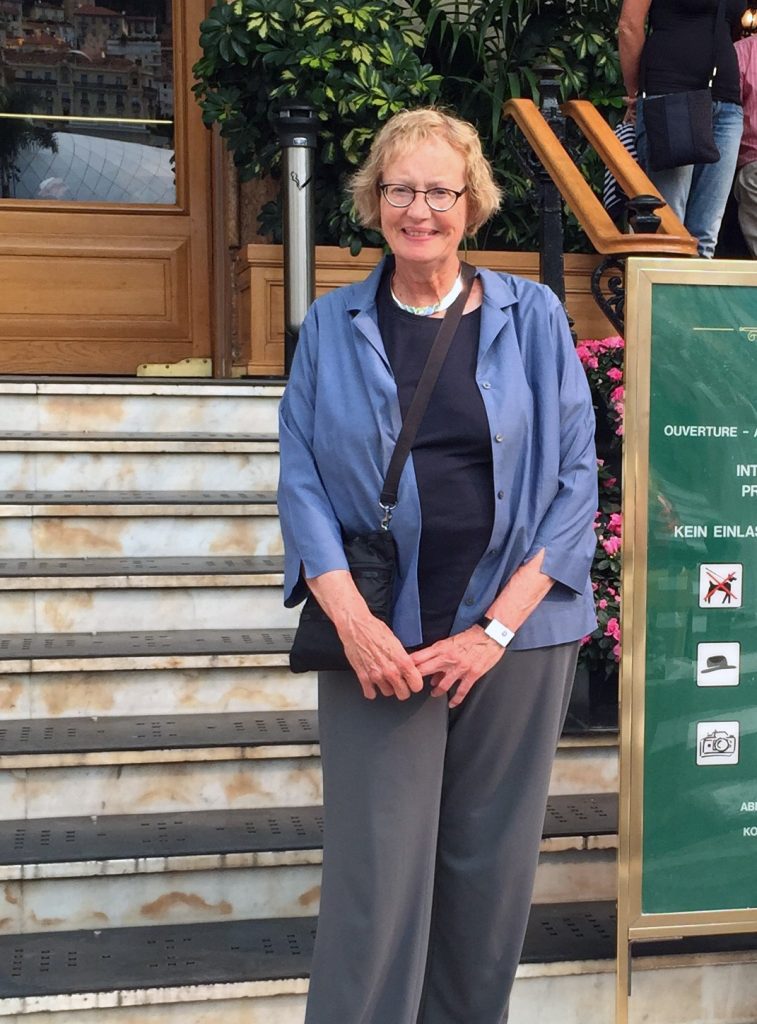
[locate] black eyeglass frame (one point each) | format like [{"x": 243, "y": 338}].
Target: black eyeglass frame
[{"x": 383, "y": 186}]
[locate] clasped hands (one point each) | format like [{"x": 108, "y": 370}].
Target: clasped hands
[{"x": 383, "y": 666}]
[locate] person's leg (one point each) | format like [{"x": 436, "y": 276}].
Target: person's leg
[
  {"x": 711, "y": 183},
  {"x": 673, "y": 184},
  {"x": 382, "y": 771},
  {"x": 745, "y": 191},
  {"x": 500, "y": 749}
]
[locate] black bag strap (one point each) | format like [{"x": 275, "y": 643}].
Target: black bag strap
[
  {"x": 719, "y": 12},
  {"x": 419, "y": 404}
]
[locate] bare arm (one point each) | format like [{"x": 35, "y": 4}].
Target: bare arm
[
  {"x": 631, "y": 34},
  {"x": 378, "y": 658},
  {"x": 465, "y": 657}
]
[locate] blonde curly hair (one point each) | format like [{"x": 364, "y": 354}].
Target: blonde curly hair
[{"x": 404, "y": 131}]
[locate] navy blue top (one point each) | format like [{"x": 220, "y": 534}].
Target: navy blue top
[{"x": 452, "y": 456}]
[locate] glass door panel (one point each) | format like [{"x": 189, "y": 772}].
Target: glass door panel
[{"x": 87, "y": 101}]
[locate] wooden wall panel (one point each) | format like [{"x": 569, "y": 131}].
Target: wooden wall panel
[{"x": 260, "y": 277}]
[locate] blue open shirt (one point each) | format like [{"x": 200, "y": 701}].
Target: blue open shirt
[{"x": 339, "y": 423}]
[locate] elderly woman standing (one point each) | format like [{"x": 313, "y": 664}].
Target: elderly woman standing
[{"x": 437, "y": 746}]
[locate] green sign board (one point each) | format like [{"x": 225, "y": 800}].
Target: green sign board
[
  {"x": 687, "y": 836},
  {"x": 699, "y": 829}
]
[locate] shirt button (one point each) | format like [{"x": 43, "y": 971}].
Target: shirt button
[
  {"x": 500, "y": 494},
  {"x": 499, "y": 437},
  {"x": 470, "y": 600},
  {"x": 486, "y": 385},
  {"x": 493, "y": 553}
]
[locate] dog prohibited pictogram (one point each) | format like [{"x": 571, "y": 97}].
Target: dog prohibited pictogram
[{"x": 720, "y": 585}]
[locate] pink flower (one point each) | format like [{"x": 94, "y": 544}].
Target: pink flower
[
  {"x": 618, "y": 394},
  {"x": 615, "y": 524},
  {"x": 611, "y": 545},
  {"x": 585, "y": 640},
  {"x": 602, "y": 603},
  {"x": 616, "y": 652},
  {"x": 613, "y": 629},
  {"x": 614, "y": 373}
]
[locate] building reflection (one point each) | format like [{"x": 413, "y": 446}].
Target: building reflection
[{"x": 86, "y": 61}]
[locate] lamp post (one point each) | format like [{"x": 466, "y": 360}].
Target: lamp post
[{"x": 296, "y": 125}]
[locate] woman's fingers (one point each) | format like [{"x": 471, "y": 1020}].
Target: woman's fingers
[
  {"x": 380, "y": 661},
  {"x": 457, "y": 663}
]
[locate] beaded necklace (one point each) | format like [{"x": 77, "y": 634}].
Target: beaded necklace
[{"x": 444, "y": 303}]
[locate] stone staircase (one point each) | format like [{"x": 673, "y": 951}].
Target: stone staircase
[{"x": 160, "y": 821}]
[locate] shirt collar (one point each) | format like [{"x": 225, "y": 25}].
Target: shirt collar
[{"x": 360, "y": 301}]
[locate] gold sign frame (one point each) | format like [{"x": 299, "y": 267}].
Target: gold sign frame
[{"x": 642, "y": 274}]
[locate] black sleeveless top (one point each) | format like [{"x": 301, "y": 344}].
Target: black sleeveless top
[
  {"x": 678, "y": 54},
  {"x": 452, "y": 457}
]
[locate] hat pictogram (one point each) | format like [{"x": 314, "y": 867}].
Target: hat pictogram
[{"x": 717, "y": 662}]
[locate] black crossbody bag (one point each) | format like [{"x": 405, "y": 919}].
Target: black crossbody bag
[
  {"x": 372, "y": 557},
  {"x": 679, "y": 124}
]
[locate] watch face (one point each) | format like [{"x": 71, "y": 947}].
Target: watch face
[{"x": 499, "y": 632}]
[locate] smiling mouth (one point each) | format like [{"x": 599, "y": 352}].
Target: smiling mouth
[{"x": 414, "y": 233}]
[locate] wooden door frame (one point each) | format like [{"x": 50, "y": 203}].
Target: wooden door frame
[{"x": 175, "y": 241}]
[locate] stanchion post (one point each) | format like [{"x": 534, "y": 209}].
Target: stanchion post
[{"x": 296, "y": 124}]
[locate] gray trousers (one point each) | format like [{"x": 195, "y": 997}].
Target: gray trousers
[{"x": 433, "y": 824}]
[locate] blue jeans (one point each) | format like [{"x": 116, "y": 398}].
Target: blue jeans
[{"x": 697, "y": 193}]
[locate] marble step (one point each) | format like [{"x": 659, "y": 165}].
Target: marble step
[
  {"x": 66, "y": 524},
  {"x": 103, "y": 610},
  {"x": 134, "y": 406},
  {"x": 221, "y": 865},
  {"x": 137, "y": 844},
  {"x": 177, "y": 686},
  {"x": 135, "y": 975},
  {"x": 159, "y": 571},
  {"x": 251, "y": 466}
]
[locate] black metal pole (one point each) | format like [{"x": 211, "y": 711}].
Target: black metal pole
[
  {"x": 551, "y": 241},
  {"x": 296, "y": 125}
]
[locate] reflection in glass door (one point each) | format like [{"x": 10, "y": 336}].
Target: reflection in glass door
[{"x": 87, "y": 101}]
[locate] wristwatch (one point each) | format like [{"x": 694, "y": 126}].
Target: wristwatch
[{"x": 496, "y": 630}]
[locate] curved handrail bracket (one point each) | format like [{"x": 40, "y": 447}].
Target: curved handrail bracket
[{"x": 671, "y": 240}]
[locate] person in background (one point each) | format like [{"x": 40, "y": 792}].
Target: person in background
[
  {"x": 745, "y": 188},
  {"x": 677, "y": 56},
  {"x": 437, "y": 746}
]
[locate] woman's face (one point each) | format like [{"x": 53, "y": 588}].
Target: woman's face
[{"x": 418, "y": 234}]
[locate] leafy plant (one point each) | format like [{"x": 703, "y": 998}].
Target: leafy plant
[
  {"x": 359, "y": 61},
  {"x": 355, "y": 61}
]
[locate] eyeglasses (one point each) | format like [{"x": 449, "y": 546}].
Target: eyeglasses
[{"x": 438, "y": 199}]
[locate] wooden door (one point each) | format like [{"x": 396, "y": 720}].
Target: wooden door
[{"x": 105, "y": 261}]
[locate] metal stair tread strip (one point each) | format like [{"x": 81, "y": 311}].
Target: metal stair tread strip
[
  {"x": 157, "y": 732},
  {"x": 228, "y": 952},
  {"x": 252, "y": 830},
  {"x": 137, "y": 498},
  {"x": 132, "y": 435},
  {"x": 23, "y": 646},
  {"x": 11, "y": 568}
]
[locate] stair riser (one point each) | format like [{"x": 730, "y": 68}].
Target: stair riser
[
  {"x": 210, "y": 782},
  {"x": 285, "y": 1009},
  {"x": 103, "y": 409},
  {"x": 139, "y": 536},
  {"x": 83, "y": 611},
  {"x": 703, "y": 994},
  {"x": 214, "y": 894},
  {"x": 188, "y": 691},
  {"x": 156, "y": 788},
  {"x": 173, "y": 898},
  {"x": 130, "y": 471}
]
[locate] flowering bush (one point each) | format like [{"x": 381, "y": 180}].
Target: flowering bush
[{"x": 603, "y": 363}]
